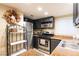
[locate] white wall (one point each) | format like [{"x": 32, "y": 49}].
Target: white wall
[
  {"x": 76, "y": 32},
  {"x": 64, "y": 26},
  {"x": 3, "y": 29}
]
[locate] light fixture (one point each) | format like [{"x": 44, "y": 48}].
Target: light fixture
[
  {"x": 45, "y": 13},
  {"x": 39, "y": 9}
]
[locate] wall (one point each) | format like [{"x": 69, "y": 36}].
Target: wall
[
  {"x": 3, "y": 29},
  {"x": 76, "y": 33},
  {"x": 64, "y": 26}
]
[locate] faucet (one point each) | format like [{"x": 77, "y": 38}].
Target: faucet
[{"x": 63, "y": 44}]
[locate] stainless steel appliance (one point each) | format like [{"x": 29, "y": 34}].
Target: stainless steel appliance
[
  {"x": 47, "y": 25},
  {"x": 49, "y": 32},
  {"x": 36, "y": 32},
  {"x": 47, "y": 45},
  {"x": 44, "y": 45},
  {"x": 29, "y": 27}
]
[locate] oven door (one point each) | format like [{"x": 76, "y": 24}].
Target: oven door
[{"x": 44, "y": 44}]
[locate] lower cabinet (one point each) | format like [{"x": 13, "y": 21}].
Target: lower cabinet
[
  {"x": 54, "y": 43},
  {"x": 35, "y": 42}
]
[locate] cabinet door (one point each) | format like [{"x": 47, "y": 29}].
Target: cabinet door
[
  {"x": 54, "y": 44},
  {"x": 36, "y": 24},
  {"x": 35, "y": 42}
]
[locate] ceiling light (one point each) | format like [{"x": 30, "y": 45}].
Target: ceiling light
[
  {"x": 45, "y": 13},
  {"x": 39, "y": 9}
]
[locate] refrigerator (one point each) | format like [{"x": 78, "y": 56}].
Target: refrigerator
[{"x": 29, "y": 33}]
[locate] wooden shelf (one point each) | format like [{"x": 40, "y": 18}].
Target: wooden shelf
[
  {"x": 17, "y": 32},
  {"x": 16, "y": 38},
  {"x": 18, "y": 42},
  {"x": 44, "y": 28},
  {"x": 19, "y": 52},
  {"x": 48, "y": 28},
  {"x": 46, "y": 22}
]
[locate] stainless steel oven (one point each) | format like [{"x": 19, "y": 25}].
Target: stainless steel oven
[{"x": 44, "y": 44}]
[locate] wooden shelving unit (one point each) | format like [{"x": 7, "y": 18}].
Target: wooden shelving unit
[{"x": 16, "y": 40}]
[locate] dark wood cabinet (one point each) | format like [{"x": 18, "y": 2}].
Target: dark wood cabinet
[
  {"x": 36, "y": 24},
  {"x": 35, "y": 42},
  {"x": 54, "y": 43},
  {"x": 44, "y": 23}
]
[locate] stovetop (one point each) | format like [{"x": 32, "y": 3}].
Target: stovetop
[{"x": 45, "y": 36}]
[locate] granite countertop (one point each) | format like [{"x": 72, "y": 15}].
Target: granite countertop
[
  {"x": 61, "y": 51},
  {"x": 67, "y": 50},
  {"x": 62, "y": 37},
  {"x": 59, "y": 37}
]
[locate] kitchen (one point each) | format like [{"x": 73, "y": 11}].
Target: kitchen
[{"x": 54, "y": 33}]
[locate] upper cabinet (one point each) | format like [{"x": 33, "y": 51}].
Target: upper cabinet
[
  {"x": 44, "y": 23},
  {"x": 47, "y": 22},
  {"x": 36, "y": 24}
]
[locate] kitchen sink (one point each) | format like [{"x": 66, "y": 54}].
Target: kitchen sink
[{"x": 71, "y": 45}]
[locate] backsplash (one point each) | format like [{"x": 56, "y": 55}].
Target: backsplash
[
  {"x": 64, "y": 26},
  {"x": 49, "y": 30}
]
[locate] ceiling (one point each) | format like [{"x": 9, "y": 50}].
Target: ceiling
[{"x": 54, "y": 9}]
